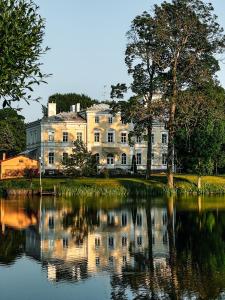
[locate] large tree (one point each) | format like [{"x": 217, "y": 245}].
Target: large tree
[
  {"x": 13, "y": 131},
  {"x": 144, "y": 69},
  {"x": 200, "y": 138},
  {"x": 188, "y": 37},
  {"x": 64, "y": 101},
  {"x": 21, "y": 37}
]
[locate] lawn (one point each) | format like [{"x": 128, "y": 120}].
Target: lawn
[{"x": 183, "y": 183}]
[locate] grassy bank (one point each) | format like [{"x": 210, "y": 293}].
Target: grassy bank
[{"x": 121, "y": 186}]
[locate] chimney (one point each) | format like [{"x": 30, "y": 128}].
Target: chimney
[
  {"x": 73, "y": 108},
  {"x": 78, "y": 107},
  {"x": 51, "y": 109}
]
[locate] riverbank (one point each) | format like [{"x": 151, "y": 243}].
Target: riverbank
[{"x": 156, "y": 185}]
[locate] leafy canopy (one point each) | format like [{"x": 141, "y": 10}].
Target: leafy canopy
[{"x": 21, "y": 37}]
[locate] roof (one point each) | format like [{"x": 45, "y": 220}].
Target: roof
[
  {"x": 66, "y": 116},
  {"x": 99, "y": 107},
  {"x": 17, "y": 156}
]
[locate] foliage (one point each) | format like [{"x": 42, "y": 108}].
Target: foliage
[
  {"x": 13, "y": 131},
  {"x": 188, "y": 44},
  {"x": 141, "y": 108},
  {"x": 200, "y": 137},
  {"x": 81, "y": 162},
  {"x": 21, "y": 31},
  {"x": 64, "y": 101}
]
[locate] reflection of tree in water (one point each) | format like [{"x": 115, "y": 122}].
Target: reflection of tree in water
[
  {"x": 80, "y": 220},
  {"x": 201, "y": 252},
  {"x": 12, "y": 245}
]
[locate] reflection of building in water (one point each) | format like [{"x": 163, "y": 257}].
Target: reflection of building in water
[
  {"x": 75, "y": 250},
  {"x": 110, "y": 244}
]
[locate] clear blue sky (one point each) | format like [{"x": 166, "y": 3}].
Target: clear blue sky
[{"x": 87, "y": 41}]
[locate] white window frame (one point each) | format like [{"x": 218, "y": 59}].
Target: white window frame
[
  {"x": 109, "y": 140},
  {"x": 139, "y": 158},
  {"x": 164, "y": 138},
  {"x": 164, "y": 159},
  {"x": 65, "y": 138},
  {"x": 123, "y": 159},
  {"x": 80, "y": 136},
  {"x": 123, "y": 137},
  {"x": 97, "y": 134},
  {"x": 51, "y": 160},
  {"x": 110, "y": 159},
  {"x": 110, "y": 120}
]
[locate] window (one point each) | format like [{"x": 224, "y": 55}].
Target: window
[
  {"x": 97, "y": 157},
  {"x": 110, "y": 159},
  {"x": 110, "y": 119},
  {"x": 123, "y": 137},
  {"x": 110, "y": 137},
  {"x": 124, "y": 159},
  {"x": 65, "y": 156},
  {"x": 164, "y": 219},
  {"x": 165, "y": 240},
  {"x": 51, "y": 136},
  {"x": 111, "y": 242},
  {"x": 111, "y": 260},
  {"x": 153, "y": 138},
  {"x": 138, "y": 158},
  {"x": 164, "y": 159},
  {"x": 139, "y": 220},
  {"x": 65, "y": 242},
  {"x": 124, "y": 220},
  {"x": 124, "y": 241},
  {"x": 111, "y": 220},
  {"x": 97, "y": 242},
  {"x": 153, "y": 155},
  {"x": 139, "y": 240},
  {"x": 123, "y": 122},
  {"x": 138, "y": 139},
  {"x": 97, "y": 261},
  {"x": 51, "y": 158},
  {"x": 164, "y": 138},
  {"x": 65, "y": 136},
  {"x": 124, "y": 259},
  {"x": 97, "y": 137},
  {"x": 51, "y": 223},
  {"x": 79, "y": 136},
  {"x": 96, "y": 119}
]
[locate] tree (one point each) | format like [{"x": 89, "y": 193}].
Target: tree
[
  {"x": 187, "y": 42},
  {"x": 200, "y": 138},
  {"x": 64, "y": 101},
  {"x": 7, "y": 141},
  {"x": 21, "y": 32},
  {"x": 143, "y": 67},
  {"x": 13, "y": 131},
  {"x": 81, "y": 162}
]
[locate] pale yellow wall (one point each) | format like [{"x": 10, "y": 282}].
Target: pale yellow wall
[{"x": 14, "y": 167}]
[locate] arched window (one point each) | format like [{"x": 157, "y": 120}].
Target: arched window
[
  {"x": 124, "y": 159},
  {"x": 97, "y": 157},
  {"x": 110, "y": 159}
]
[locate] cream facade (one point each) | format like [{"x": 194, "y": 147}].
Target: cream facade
[{"x": 105, "y": 135}]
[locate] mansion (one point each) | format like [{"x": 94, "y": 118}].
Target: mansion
[{"x": 105, "y": 135}]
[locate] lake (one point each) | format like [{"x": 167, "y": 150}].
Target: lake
[{"x": 159, "y": 248}]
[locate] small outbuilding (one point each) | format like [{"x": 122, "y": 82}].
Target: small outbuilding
[{"x": 16, "y": 167}]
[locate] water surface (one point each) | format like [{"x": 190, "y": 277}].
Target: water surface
[{"x": 159, "y": 248}]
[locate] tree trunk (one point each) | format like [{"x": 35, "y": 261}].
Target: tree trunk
[
  {"x": 149, "y": 151},
  {"x": 170, "y": 154},
  {"x": 199, "y": 182}
]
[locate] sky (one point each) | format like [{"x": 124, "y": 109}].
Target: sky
[{"x": 88, "y": 40}]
